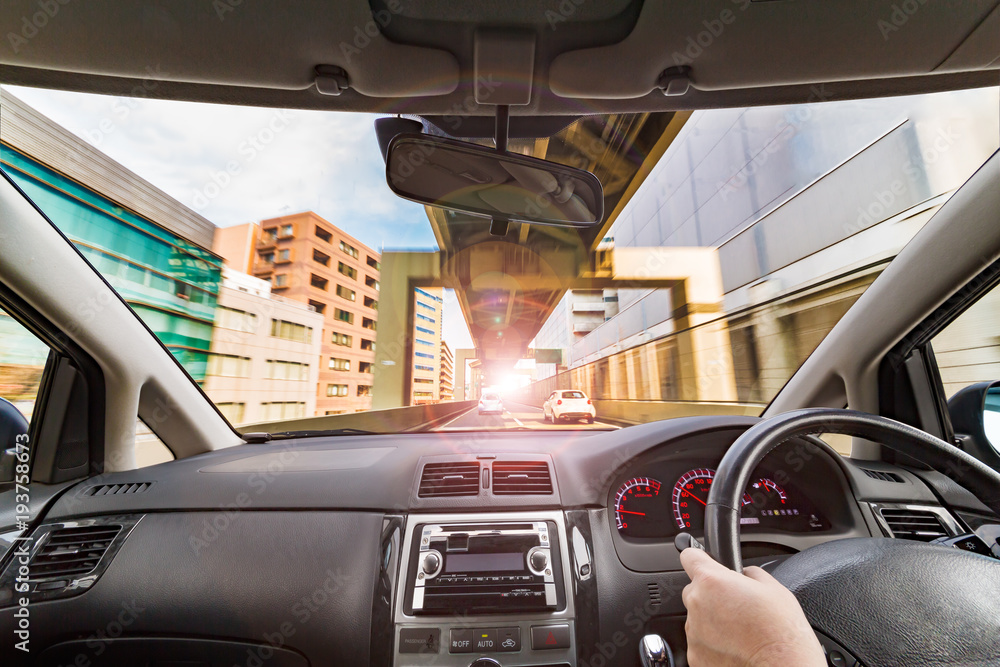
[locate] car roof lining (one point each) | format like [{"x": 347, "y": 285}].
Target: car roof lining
[{"x": 421, "y": 61}]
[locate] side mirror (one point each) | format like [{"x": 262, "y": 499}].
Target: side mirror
[
  {"x": 975, "y": 417},
  {"x": 484, "y": 182},
  {"x": 12, "y": 424}
]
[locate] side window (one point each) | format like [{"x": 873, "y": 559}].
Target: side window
[{"x": 22, "y": 361}]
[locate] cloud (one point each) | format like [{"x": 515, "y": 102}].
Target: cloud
[{"x": 237, "y": 164}]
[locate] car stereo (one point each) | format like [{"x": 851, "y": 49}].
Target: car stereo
[{"x": 487, "y": 567}]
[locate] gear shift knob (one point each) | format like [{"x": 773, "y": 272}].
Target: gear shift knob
[{"x": 655, "y": 652}]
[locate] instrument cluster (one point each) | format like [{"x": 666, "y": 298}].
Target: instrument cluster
[{"x": 659, "y": 506}]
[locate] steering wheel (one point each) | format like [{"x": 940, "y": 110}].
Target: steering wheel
[{"x": 887, "y": 601}]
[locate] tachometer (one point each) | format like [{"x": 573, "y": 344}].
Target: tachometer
[{"x": 635, "y": 504}]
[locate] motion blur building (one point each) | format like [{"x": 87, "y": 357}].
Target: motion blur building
[
  {"x": 265, "y": 348},
  {"x": 429, "y": 311},
  {"x": 308, "y": 260},
  {"x": 805, "y": 205},
  {"x": 446, "y": 391},
  {"x": 151, "y": 248}
]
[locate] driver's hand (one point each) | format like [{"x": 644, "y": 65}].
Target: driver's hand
[{"x": 743, "y": 620}]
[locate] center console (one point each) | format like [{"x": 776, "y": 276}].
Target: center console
[{"x": 489, "y": 589}]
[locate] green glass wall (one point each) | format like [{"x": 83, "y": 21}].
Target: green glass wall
[{"x": 172, "y": 284}]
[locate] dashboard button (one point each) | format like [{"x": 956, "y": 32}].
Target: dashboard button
[
  {"x": 419, "y": 640},
  {"x": 461, "y": 641},
  {"x": 508, "y": 640},
  {"x": 549, "y": 636},
  {"x": 484, "y": 640}
]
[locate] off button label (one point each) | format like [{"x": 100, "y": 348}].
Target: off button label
[{"x": 461, "y": 641}]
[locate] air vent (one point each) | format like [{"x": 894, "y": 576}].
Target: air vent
[
  {"x": 654, "y": 594},
  {"x": 117, "y": 489},
  {"x": 913, "y": 524},
  {"x": 883, "y": 476},
  {"x": 71, "y": 552},
  {"x": 527, "y": 478},
  {"x": 449, "y": 479}
]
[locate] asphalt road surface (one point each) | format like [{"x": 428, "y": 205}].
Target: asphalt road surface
[{"x": 514, "y": 416}]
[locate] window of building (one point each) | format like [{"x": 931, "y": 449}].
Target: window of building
[
  {"x": 425, "y": 330},
  {"x": 371, "y": 303},
  {"x": 368, "y": 323},
  {"x": 371, "y": 282},
  {"x": 367, "y": 344},
  {"x": 274, "y": 411},
  {"x": 318, "y": 306},
  {"x": 233, "y": 412},
  {"x": 323, "y": 235},
  {"x": 235, "y": 319},
  {"x": 421, "y": 341},
  {"x": 421, "y": 316},
  {"x": 285, "y": 231},
  {"x": 291, "y": 331},
  {"x": 365, "y": 367},
  {"x": 228, "y": 365},
  {"x": 269, "y": 235},
  {"x": 423, "y": 380},
  {"x": 364, "y": 390},
  {"x": 336, "y": 364},
  {"x": 284, "y": 255},
  {"x": 427, "y": 306},
  {"x": 374, "y": 263},
  {"x": 267, "y": 257},
  {"x": 287, "y": 370},
  {"x": 182, "y": 290},
  {"x": 420, "y": 367},
  {"x": 281, "y": 280},
  {"x": 333, "y": 390},
  {"x": 318, "y": 282},
  {"x": 341, "y": 339},
  {"x": 343, "y": 315},
  {"x": 349, "y": 249},
  {"x": 428, "y": 294},
  {"x": 321, "y": 258},
  {"x": 423, "y": 394},
  {"x": 335, "y": 412},
  {"x": 423, "y": 355},
  {"x": 348, "y": 271},
  {"x": 345, "y": 293}
]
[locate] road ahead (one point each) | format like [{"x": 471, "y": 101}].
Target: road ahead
[{"x": 515, "y": 415}]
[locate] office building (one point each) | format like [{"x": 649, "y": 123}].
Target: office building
[
  {"x": 427, "y": 321},
  {"x": 265, "y": 351},
  {"x": 151, "y": 248},
  {"x": 446, "y": 385}
]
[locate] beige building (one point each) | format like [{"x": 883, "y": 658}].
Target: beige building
[
  {"x": 428, "y": 310},
  {"x": 446, "y": 391},
  {"x": 264, "y": 353},
  {"x": 308, "y": 260}
]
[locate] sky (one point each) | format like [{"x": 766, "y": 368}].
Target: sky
[{"x": 241, "y": 164}]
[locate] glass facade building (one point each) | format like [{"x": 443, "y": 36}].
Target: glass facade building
[{"x": 171, "y": 283}]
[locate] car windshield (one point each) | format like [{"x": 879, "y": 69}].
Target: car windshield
[{"x": 266, "y": 251}]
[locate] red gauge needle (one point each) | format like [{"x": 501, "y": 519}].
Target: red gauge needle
[
  {"x": 627, "y": 512},
  {"x": 691, "y": 495}
]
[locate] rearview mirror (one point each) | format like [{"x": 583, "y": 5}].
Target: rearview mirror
[{"x": 484, "y": 182}]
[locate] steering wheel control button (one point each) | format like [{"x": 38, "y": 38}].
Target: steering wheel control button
[
  {"x": 837, "y": 659},
  {"x": 508, "y": 640},
  {"x": 484, "y": 640},
  {"x": 687, "y": 541},
  {"x": 837, "y": 655},
  {"x": 461, "y": 641},
  {"x": 419, "y": 640},
  {"x": 549, "y": 636}
]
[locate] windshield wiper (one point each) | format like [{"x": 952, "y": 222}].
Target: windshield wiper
[{"x": 259, "y": 437}]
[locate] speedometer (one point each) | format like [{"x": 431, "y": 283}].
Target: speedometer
[{"x": 690, "y": 498}]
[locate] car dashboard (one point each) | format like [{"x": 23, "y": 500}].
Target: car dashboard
[{"x": 529, "y": 548}]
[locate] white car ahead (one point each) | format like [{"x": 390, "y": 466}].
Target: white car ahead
[
  {"x": 490, "y": 403},
  {"x": 568, "y": 404}
]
